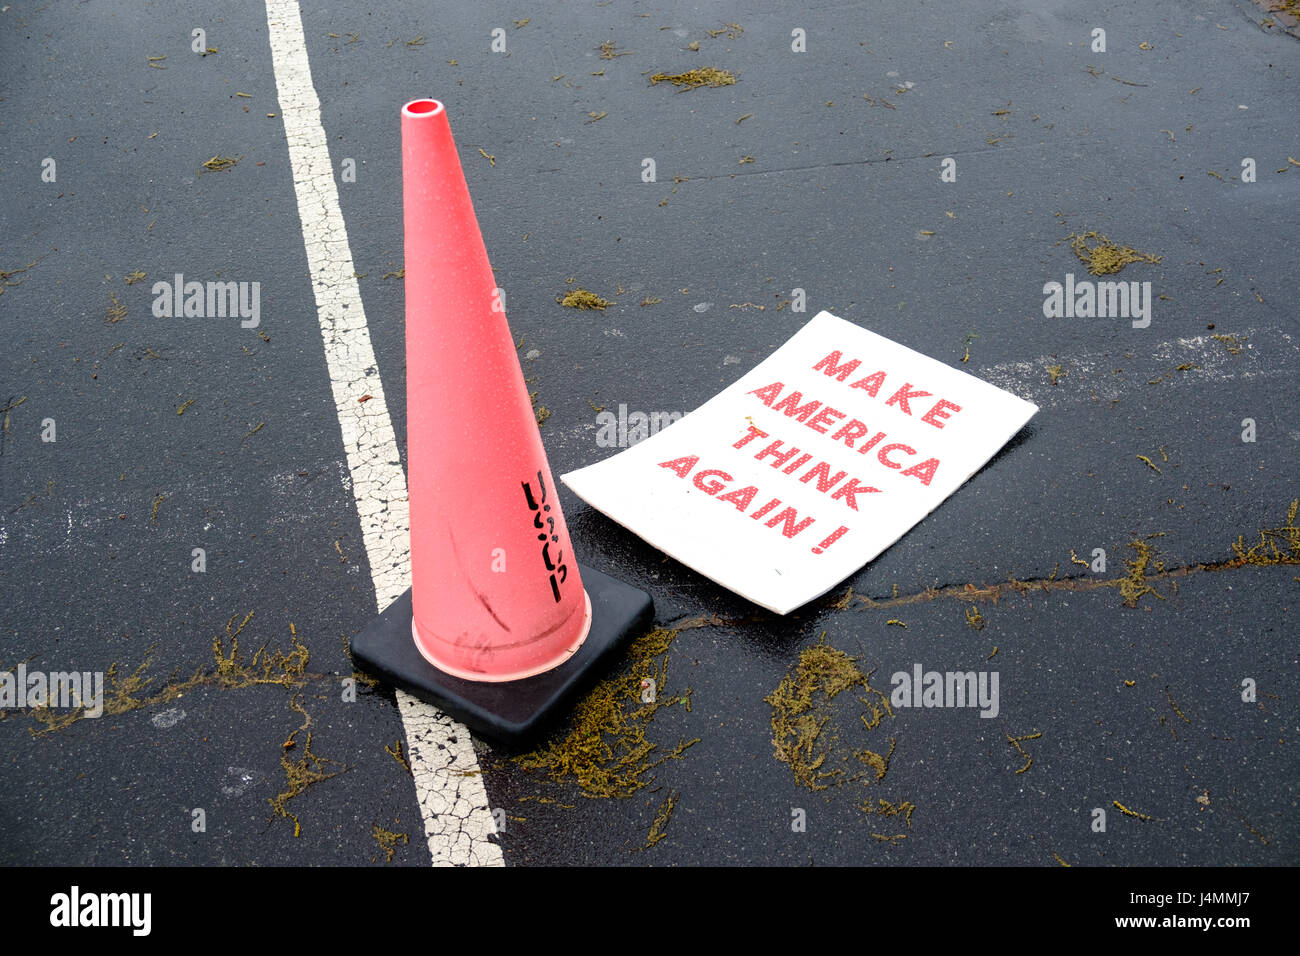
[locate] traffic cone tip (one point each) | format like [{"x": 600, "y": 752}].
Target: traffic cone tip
[{"x": 418, "y": 108}]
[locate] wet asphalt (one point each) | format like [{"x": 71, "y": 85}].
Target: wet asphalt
[{"x": 816, "y": 170}]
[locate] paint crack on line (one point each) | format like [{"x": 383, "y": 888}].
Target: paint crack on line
[{"x": 456, "y": 816}]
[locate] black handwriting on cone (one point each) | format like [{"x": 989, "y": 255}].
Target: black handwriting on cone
[{"x": 542, "y": 521}]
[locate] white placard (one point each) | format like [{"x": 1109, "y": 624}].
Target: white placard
[{"x": 790, "y": 480}]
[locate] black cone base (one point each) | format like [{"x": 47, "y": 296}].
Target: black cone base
[{"x": 513, "y": 712}]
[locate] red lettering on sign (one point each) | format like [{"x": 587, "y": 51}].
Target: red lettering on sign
[
  {"x": 851, "y": 432},
  {"x": 850, "y": 490},
  {"x": 887, "y": 449},
  {"x": 871, "y": 384},
  {"x": 768, "y": 393},
  {"x": 939, "y": 411},
  {"x": 837, "y": 367},
  {"x": 830, "y": 365},
  {"x": 714, "y": 480},
  {"x": 779, "y": 458},
  {"x": 924, "y": 471},
  {"x": 788, "y": 516},
  {"x": 821, "y": 471},
  {"x": 824, "y": 418},
  {"x": 790, "y": 405},
  {"x": 753, "y": 433},
  {"x": 830, "y": 540},
  {"x": 795, "y": 465},
  {"x": 682, "y": 466},
  {"x": 901, "y": 396},
  {"x": 741, "y": 497},
  {"x": 871, "y": 444},
  {"x": 713, "y": 486}
]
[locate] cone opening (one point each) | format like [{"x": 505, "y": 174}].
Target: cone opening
[{"x": 422, "y": 108}]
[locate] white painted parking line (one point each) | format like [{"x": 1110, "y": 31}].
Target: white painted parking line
[{"x": 452, "y": 798}]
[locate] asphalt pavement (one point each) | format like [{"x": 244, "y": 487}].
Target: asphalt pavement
[{"x": 1160, "y": 690}]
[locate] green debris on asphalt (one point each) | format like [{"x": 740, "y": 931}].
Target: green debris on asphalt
[
  {"x": 693, "y": 79},
  {"x": 606, "y": 751}
]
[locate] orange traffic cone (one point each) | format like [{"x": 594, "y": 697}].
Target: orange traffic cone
[{"x": 498, "y": 627}]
